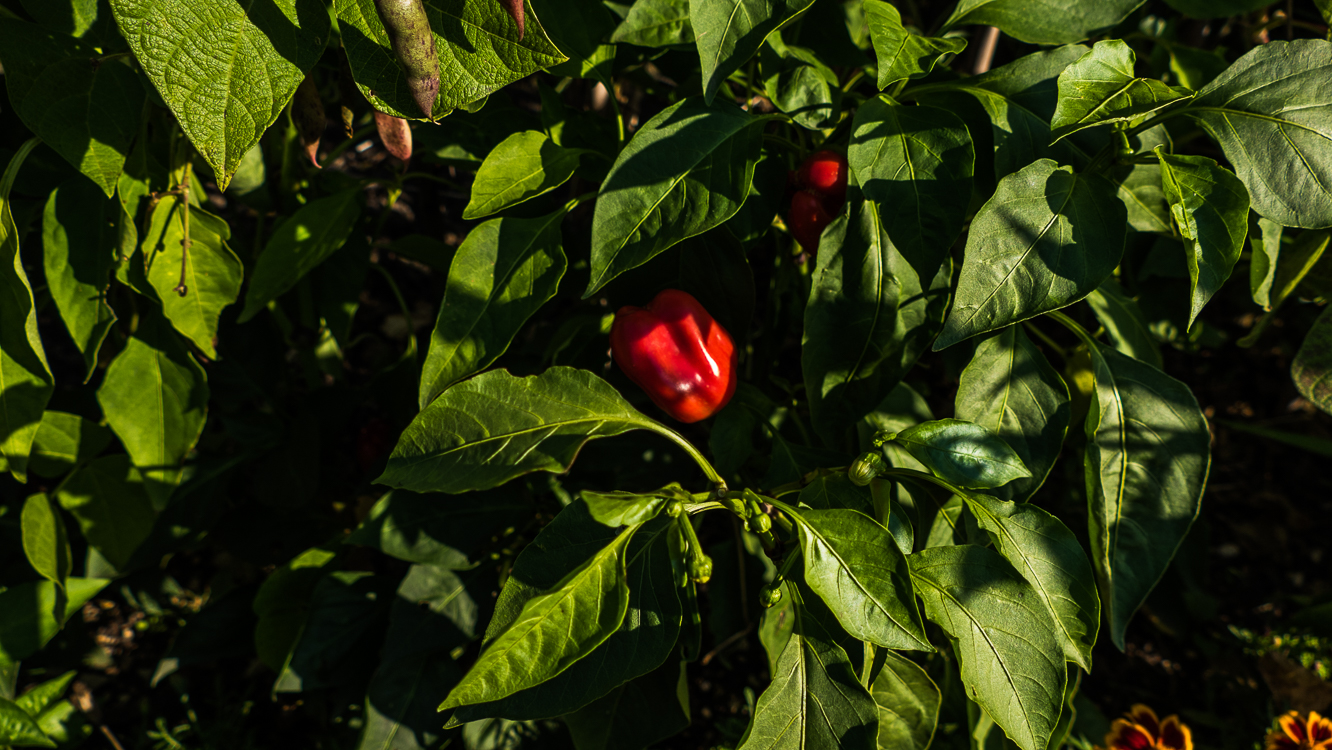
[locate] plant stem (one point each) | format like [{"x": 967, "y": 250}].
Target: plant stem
[
  {"x": 693, "y": 452},
  {"x": 1046, "y": 339}
]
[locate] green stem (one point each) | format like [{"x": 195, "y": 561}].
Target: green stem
[
  {"x": 1046, "y": 339},
  {"x": 410, "y": 352},
  {"x": 576, "y": 202},
  {"x": 693, "y": 452},
  {"x": 1073, "y": 326},
  {"x": 921, "y": 476}
]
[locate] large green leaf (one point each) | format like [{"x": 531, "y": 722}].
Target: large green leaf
[
  {"x": 908, "y": 702},
  {"x": 64, "y": 441},
  {"x": 520, "y": 168},
  {"x": 1211, "y": 210},
  {"x": 962, "y": 453},
  {"x": 155, "y": 398},
  {"x": 1003, "y": 637},
  {"x": 478, "y": 46},
  {"x": 1099, "y": 88},
  {"x": 900, "y": 53},
  {"x": 80, "y": 239},
  {"x": 317, "y": 230},
  {"x": 729, "y": 32},
  {"x": 1124, "y": 323},
  {"x": 1271, "y": 111},
  {"x": 685, "y": 171},
  {"x": 800, "y": 84},
  {"x": 1265, "y": 241},
  {"x": 503, "y": 273},
  {"x": 916, "y": 164},
  {"x": 1020, "y": 98},
  {"x": 19, "y": 729},
  {"x": 640, "y": 713},
  {"x": 27, "y": 614},
  {"x": 212, "y": 272},
  {"x": 1049, "y": 557},
  {"x": 1044, "y": 21},
  {"x": 224, "y": 102},
  {"x": 25, "y": 379},
  {"x": 656, "y": 23},
  {"x": 1312, "y": 368},
  {"x": 110, "y": 502},
  {"x": 815, "y": 699},
  {"x": 1045, "y": 240},
  {"x": 41, "y": 697},
  {"x": 85, "y": 108},
  {"x": 852, "y": 562},
  {"x": 1147, "y": 456},
  {"x": 1010, "y": 389},
  {"x": 344, "y": 606},
  {"x": 553, "y": 631},
  {"x": 1215, "y": 8},
  {"x": 443, "y": 531},
  {"x": 282, "y": 602},
  {"x": 45, "y": 543},
  {"x": 492, "y": 428},
  {"x": 642, "y": 643}
]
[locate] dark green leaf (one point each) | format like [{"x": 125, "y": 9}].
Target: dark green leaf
[
  {"x": 553, "y": 631},
  {"x": 800, "y": 84},
  {"x": 224, "y": 102},
  {"x": 536, "y": 423},
  {"x": 1124, "y": 322},
  {"x": 1045, "y": 240},
  {"x": 1010, "y": 389},
  {"x": 635, "y": 715},
  {"x": 963, "y": 453},
  {"x": 729, "y": 32},
  {"x": 25, "y": 379},
  {"x": 19, "y": 729},
  {"x": 65, "y": 441},
  {"x": 27, "y": 614},
  {"x": 1265, "y": 240},
  {"x": 714, "y": 269},
  {"x": 283, "y": 602},
  {"x": 69, "y": 17},
  {"x": 478, "y": 46},
  {"x": 343, "y": 607},
  {"x": 1002, "y": 634},
  {"x": 155, "y": 398},
  {"x": 1069, "y": 21},
  {"x": 1215, "y": 8},
  {"x": 685, "y": 171},
  {"x": 80, "y": 240},
  {"x": 44, "y": 540},
  {"x": 1312, "y": 368},
  {"x": 299, "y": 244},
  {"x": 109, "y": 500},
  {"x": 520, "y": 168},
  {"x": 212, "y": 273},
  {"x": 908, "y": 702},
  {"x": 916, "y": 164},
  {"x": 1211, "y": 210},
  {"x": 852, "y": 562},
  {"x": 1272, "y": 114},
  {"x": 900, "y": 53},
  {"x": 87, "y": 109},
  {"x": 440, "y": 530},
  {"x": 503, "y": 273},
  {"x": 656, "y": 23},
  {"x": 1099, "y": 88},
  {"x": 1049, "y": 557},
  {"x": 1148, "y": 453},
  {"x": 835, "y": 491}
]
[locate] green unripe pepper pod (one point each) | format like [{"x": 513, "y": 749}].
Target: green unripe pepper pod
[
  {"x": 866, "y": 468},
  {"x": 771, "y": 594},
  {"x": 413, "y": 45},
  {"x": 307, "y": 114}
]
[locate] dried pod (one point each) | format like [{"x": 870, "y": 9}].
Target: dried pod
[
  {"x": 396, "y": 135},
  {"x": 414, "y": 46},
  {"x": 307, "y": 113},
  {"x": 516, "y": 12}
]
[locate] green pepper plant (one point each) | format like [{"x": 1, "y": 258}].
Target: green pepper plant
[{"x": 306, "y": 338}]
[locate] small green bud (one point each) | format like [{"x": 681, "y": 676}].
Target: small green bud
[
  {"x": 865, "y": 469},
  {"x": 735, "y": 505},
  {"x": 771, "y": 594},
  {"x": 700, "y": 568},
  {"x": 759, "y": 523},
  {"x": 674, "y": 508}
]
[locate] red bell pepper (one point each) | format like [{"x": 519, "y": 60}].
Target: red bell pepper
[{"x": 673, "y": 349}]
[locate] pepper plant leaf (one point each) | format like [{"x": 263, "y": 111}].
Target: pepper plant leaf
[
  {"x": 1002, "y": 634},
  {"x": 224, "y": 102},
  {"x": 502, "y": 274},
  {"x": 916, "y": 164},
  {"x": 1211, "y": 210},
  {"x": 1124, "y": 323},
  {"x": 1099, "y": 88},
  {"x": 852, "y": 562},
  {"x": 1045, "y": 240},
  {"x": 1046, "y": 22},
  {"x": 962, "y": 453},
  {"x": 902, "y": 54},
  {"x": 729, "y": 32},
  {"x": 1147, "y": 457},
  {"x": 520, "y": 168},
  {"x": 1010, "y": 389},
  {"x": 908, "y": 702},
  {"x": 1271, "y": 112},
  {"x": 45, "y": 542},
  {"x": 656, "y": 23},
  {"x": 1312, "y": 368},
  {"x": 685, "y": 171}
]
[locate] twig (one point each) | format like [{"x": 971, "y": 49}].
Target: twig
[
  {"x": 722, "y": 646},
  {"x": 985, "y": 52},
  {"x": 180, "y": 288},
  {"x": 111, "y": 737}
]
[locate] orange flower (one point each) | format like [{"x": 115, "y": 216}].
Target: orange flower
[
  {"x": 1141, "y": 730},
  {"x": 1312, "y": 733}
]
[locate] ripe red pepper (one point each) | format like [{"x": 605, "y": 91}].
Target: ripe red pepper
[
  {"x": 820, "y": 186},
  {"x": 824, "y": 172},
  {"x": 807, "y": 219},
  {"x": 673, "y": 349}
]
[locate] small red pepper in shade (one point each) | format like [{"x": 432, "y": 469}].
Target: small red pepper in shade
[
  {"x": 824, "y": 172},
  {"x": 673, "y": 349},
  {"x": 807, "y": 219}
]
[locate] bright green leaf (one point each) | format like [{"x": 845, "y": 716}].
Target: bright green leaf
[
  {"x": 1099, "y": 88},
  {"x": 520, "y": 168},
  {"x": 1060, "y": 22},
  {"x": 45, "y": 542},
  {"x": 729, "y": 32},
  {"x": 27, "y": 614},
  {"x": 41, "y": 697},
  {"x": 963, "y": 453},
  {"x": 80, "y": 240},
  {"x": 503, "y": 273},
  {"x": 799, "y": 84},
  {"x": 900, "y": 53},
  {"x": 64, "y": 441},
  {"x": 19, "y": 729},
  {"x": 617, "y": 509},
  {"x": 656, "y": 23}
]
